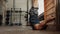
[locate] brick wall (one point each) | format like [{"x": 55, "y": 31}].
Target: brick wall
[
  {"x": 50, "y": 11},
  {"x": 50, "y": 14}
]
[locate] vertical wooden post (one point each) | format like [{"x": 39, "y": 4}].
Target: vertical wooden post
[
  {"x": 58, "y": 15},
  {"x": 44, "y": 11}
]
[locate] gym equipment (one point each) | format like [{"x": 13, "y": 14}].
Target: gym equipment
[
  {"x": 7, "y": 17},
  {"x": 1, "y": 20}
]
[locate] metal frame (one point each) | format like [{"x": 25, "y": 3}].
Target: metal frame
[{"x": 58, "y": 15}]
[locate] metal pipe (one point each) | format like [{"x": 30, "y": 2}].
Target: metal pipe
[
  {"x": 13, "y": 4},
  {"x": 20, "y": 17},
  {"x": 27, "y": 10}
]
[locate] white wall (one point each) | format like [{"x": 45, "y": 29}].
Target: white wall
[
  {"x": 19, "y": 4},
  {"x": 9, "y": 4},
  {"x": 41, "y": 6}
]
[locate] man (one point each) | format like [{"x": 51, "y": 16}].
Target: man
[{"x": 34, "y": 21}]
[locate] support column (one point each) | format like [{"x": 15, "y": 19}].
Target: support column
[
  {"x": 3, "y": 13},
  {"x": 58, "y": 15}
]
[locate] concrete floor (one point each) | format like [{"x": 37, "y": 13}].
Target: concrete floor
[{"x": 23, "y": 30}]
